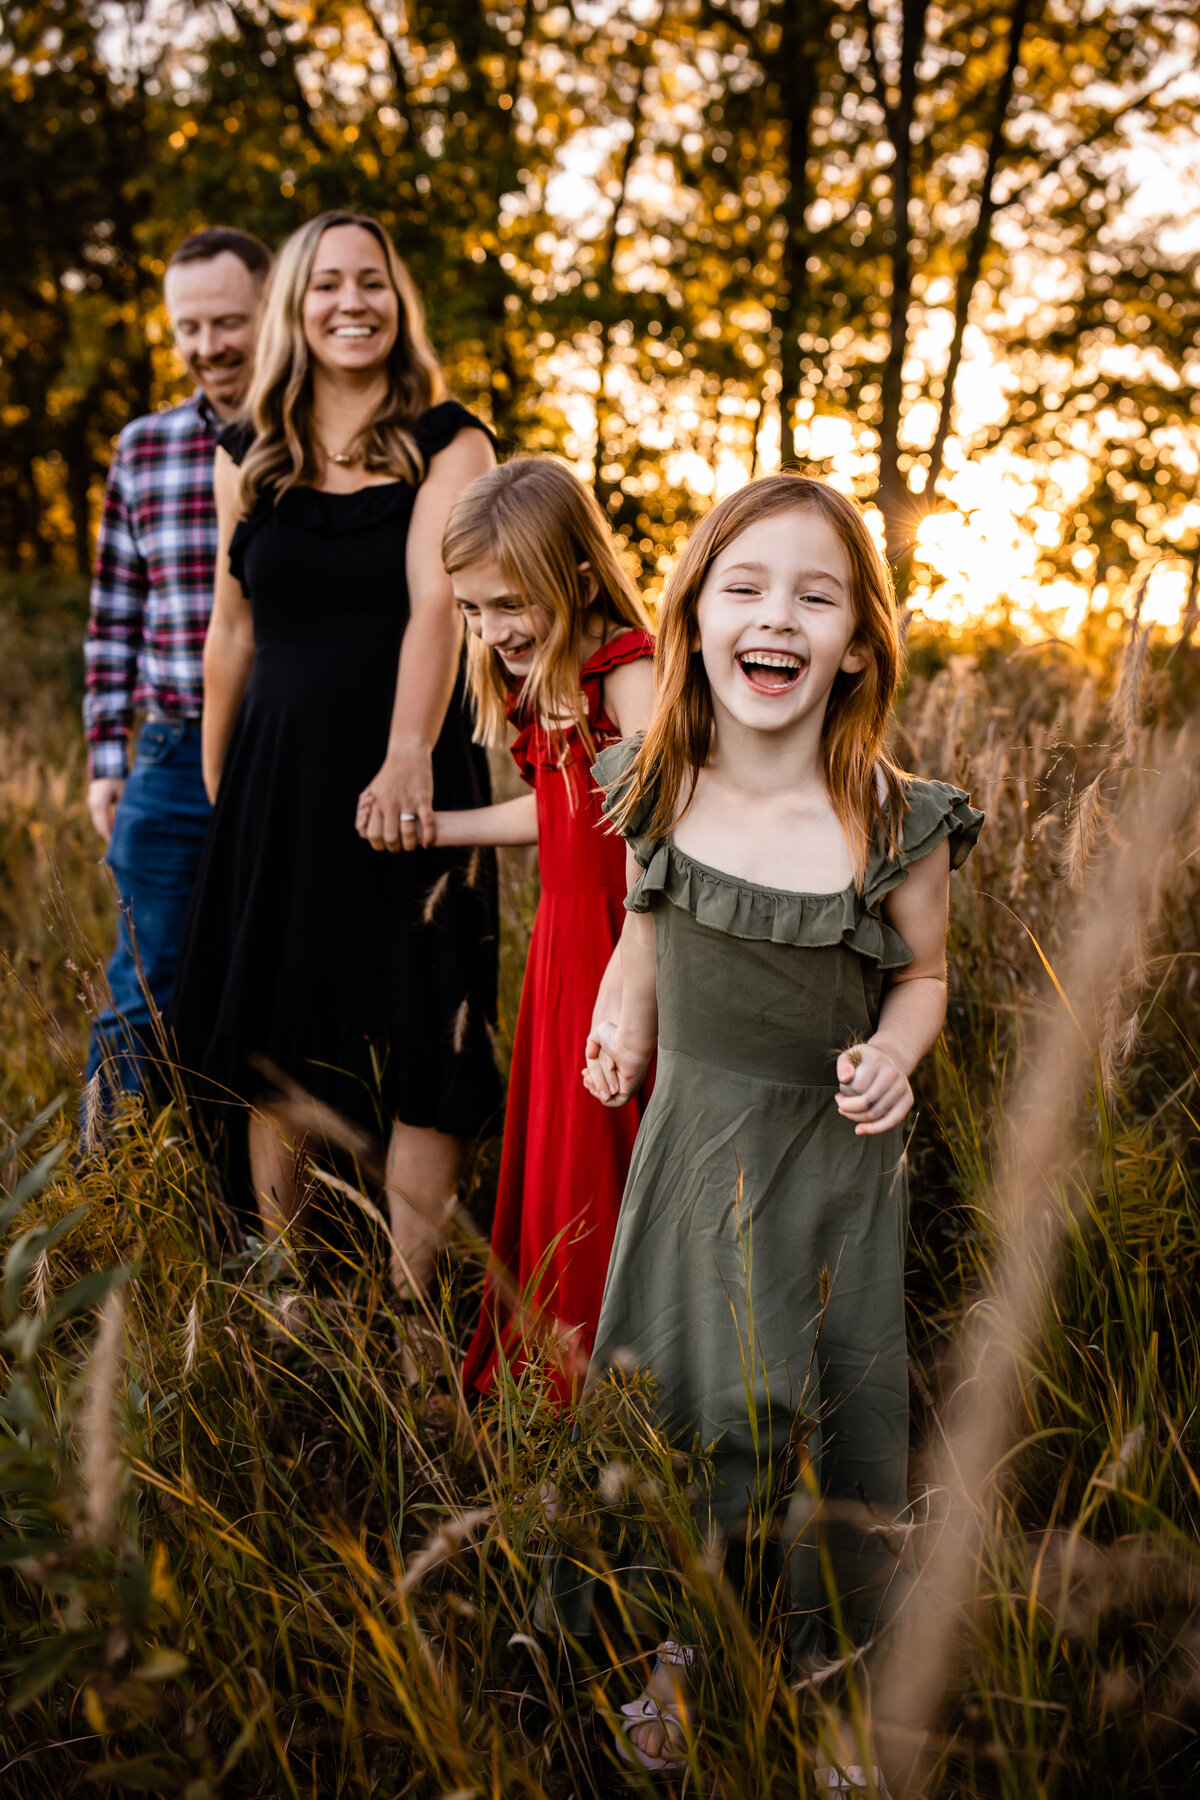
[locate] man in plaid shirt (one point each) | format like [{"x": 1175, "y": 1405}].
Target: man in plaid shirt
[{"x": 151, "y": 596}]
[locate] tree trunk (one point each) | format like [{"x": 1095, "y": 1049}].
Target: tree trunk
[
  {"x": 894, "y": 496},
  {"x": 605, "y": 280},
  {"x": 26, "y": 504},
  {"x": 78, "y": 463},
  {"x": 977, "y": 248},
  {"x": 794, "y": 69}
]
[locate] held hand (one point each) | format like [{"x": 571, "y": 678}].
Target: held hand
[
  {"x": 874, "y": 1093},
  {"x": 395, "y": 810},
  {"x": 362, "y": 821},
  {"x": 102, "y": 797},
  {"x": 614, "y": 1073}
]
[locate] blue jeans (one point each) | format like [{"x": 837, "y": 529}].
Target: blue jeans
[{"x": 154, "y": 853}]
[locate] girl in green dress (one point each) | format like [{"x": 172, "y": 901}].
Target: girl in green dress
[{"x": 785, "y": 954}]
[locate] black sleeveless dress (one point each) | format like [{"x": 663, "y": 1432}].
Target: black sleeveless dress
[{"x": 370, "y": 978}]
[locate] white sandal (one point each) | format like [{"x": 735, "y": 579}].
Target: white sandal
[{"x": 676, "y": 1718}]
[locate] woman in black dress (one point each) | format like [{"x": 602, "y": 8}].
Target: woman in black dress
[{"x": 331, "y": 674}]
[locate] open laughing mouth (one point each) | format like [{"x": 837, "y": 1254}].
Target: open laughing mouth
[
  {"x": 771, "y": 671},
  {"x": 516, "y": 652}
]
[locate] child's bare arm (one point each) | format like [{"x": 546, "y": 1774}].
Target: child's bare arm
[
  {"x": 619, "y": 1050},
  {"x": 608, "y": 994},
  {"x": 875, "y": 1092},
  {"x": 629, "y": 695},
  {"x": 509, "y": 822}
]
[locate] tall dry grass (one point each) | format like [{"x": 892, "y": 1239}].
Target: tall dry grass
[{"x": 254, "y": 1541}]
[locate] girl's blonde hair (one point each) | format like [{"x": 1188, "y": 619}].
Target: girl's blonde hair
[
  {"x": 540, "y": 524},
  {"x": 865, "y": 786},
  {"x": 279, "y": 404}
]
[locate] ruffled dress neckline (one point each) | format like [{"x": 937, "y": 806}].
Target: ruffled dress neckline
[
  {"x": 710, "y": 870},
  {"x": 725, "y": 902}
]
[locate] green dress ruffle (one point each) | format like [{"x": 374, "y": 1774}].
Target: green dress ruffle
[
  {"x": 749, "y": 1193},
  {"x": 936, "y": 811}
]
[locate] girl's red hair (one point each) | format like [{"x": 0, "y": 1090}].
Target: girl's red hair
[{"x": 865, "y": 787}]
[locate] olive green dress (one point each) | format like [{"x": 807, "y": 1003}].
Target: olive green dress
[{"x": 749, "y": 1194}]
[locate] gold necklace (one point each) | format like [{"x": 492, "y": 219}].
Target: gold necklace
[{"x": 345, "y": 459}]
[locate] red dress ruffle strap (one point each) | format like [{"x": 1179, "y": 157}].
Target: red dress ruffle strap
[{"x": 535, "y": 748}]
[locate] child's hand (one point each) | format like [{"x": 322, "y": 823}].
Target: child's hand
[
  {"x": 613, "y": 1073},
  {"x": 874, "y": 1092}
]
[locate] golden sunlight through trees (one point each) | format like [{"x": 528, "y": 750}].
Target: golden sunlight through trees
[{"x": 940, "y": 255}]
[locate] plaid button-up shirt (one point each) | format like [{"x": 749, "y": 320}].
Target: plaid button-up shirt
[{"x": 152, "y": 588}]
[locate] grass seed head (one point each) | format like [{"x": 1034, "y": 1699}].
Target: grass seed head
[
  {"x": 1085, "y": 826},
  {"x": 191, "y": 1330},
  {"x": 101, "y": 1452},
  {"x": 434, "y": 898},
  {"x": 39, "y": 1281},
  {"x": 91, "y": 1115}
]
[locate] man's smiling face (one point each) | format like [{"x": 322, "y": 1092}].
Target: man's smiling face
[{"x": 214, "y": 307}]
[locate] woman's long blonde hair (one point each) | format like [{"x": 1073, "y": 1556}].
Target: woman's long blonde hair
[
  {"x": 540, "y": 524},
  {"x": 865, "y": 786},
  {"x": 284, "y": 452}
]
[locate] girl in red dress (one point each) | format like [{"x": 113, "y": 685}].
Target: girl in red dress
[{"x": 560, "y": 646}]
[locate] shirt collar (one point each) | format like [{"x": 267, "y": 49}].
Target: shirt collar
[{"x": 199, "y": 401}]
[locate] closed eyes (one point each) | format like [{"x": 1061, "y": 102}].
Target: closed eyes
[{"x": 746, "y": 591}]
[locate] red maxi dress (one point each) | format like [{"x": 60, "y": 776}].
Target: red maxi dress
[{"x": 565, "y": 1157}]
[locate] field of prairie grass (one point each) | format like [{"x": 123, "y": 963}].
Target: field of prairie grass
[{"x": 254, "y": 1543}]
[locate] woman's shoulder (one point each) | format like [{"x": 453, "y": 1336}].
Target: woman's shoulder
[
  {"x": 236, "y": 438},
  {"x": 439, "y": 425}
]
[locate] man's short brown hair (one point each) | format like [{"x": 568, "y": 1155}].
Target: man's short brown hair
[{"x": 202, "y": 246}]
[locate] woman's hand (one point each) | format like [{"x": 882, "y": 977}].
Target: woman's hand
[
  {"x": 395, "y": 810},
  {"x": 874, "y": 1093},
  {"x": 614, "y": 1071}
]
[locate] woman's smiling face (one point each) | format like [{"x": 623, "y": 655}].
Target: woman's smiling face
[
  {"x": 351, "y": 310},
  {"x": 776, "y": 623},
  {"x": 500, "y": 619}
]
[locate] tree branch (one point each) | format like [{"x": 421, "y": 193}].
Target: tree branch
[
  {"x": 980, "y": 238},
  {"x": 1093, "y": 137},
  {"x": 251, "y": 30},
  {"x": 894, "y": 496},
  {"x": 396, "y": 65},
  {"x": 890, "y": 119},
  {"x": 606, "y": 270}
]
